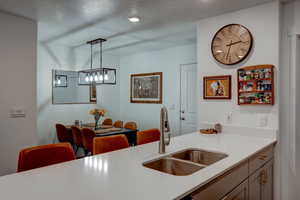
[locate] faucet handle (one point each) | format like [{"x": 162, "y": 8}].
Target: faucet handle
[
  {"x": 168, "y": 140},
  {"x": 167, "y": 126}
]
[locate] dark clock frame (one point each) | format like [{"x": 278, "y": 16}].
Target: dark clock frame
[{"x": 247, "y": 54}]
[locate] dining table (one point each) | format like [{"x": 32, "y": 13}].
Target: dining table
[{"x": 108, "y": 130}]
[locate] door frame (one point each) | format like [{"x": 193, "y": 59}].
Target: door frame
[{"x": 180, "y": 92}]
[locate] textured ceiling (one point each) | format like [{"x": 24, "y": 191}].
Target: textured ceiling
[{"x": 164, "y": 23}]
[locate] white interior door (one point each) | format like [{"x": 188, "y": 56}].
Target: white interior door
[{"x": 188, "y": 103}]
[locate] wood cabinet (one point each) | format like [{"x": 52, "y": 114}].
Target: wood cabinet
[
  {"x": 261, "y": 183},
  {"x": 250, "y": 180},
  {"x": 241, "y": 192}
]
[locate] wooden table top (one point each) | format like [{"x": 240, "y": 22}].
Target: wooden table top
[{"x": 104, "y": 129}]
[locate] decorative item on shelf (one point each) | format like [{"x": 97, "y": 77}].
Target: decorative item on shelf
[
  {"x": 217, "y": 87},
  {"x": 146, "y": 88},
  {"x": 231, "y": 44},
  {"x": 100, "y": 75},
  {"x": 97, "y": 113},
  {"x": 256, "y": 85}
]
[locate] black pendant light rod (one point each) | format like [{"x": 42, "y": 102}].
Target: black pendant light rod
[
  {"x": 91, "y": 56},
  {"x": 96, "y": 41},
  {"x": 101, "y": 55}
]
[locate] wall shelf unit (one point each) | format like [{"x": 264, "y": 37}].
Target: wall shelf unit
[{"x": 256, "y": 85}]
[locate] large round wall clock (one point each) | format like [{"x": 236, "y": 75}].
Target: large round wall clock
[{"x": 231, "y": 44}]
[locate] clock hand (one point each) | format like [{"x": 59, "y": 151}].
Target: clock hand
[
  {"x": 228, "y": 49},
  {"x": 233, "y": 43}
]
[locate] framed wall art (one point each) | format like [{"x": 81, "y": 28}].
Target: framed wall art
[
  {"x": 146, "y": 88},
  {"x": 93, "y": 93},
  {"x": 217, "y": 87}
]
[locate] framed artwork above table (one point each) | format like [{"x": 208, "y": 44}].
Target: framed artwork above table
[{"x": 146, "y": 88}]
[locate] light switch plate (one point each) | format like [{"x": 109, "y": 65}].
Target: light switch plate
[{"x": 17, "y": 113}]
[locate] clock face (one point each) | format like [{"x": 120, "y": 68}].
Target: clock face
[{"x": 231, "y": 44}]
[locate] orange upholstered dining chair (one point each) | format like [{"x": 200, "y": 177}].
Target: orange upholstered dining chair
[
  {"x": 131, "y": 125},
  {"x": 107, "y": 121},
  {"x": 87, "y": 138},
  {"x": 41, "y": 156},
  {"x": 118, "y": 124},
  {"x": 109, "y": 143},
  {"x": 63, "y": 134},
  {"x": 147, "y": 136},
  {"x": 77, "y": 137}
]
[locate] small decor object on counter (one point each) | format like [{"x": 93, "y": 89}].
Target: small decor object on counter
[
  {"x": 256, "y": 85},
  {"x": 98, "y": 113},
  {"x": 208, "y": 131},
  {"x": 146, "y": 88},
  {"x": 217, "y": 87},
  {"x": 218, "y": 127}
]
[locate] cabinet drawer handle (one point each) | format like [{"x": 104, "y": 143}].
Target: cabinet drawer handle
[
  {"x": 262, "y": 157},
  {"x": 263, "y": 177}
]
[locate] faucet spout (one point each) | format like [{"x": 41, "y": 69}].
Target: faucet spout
[{"x": 164, "y": 128}]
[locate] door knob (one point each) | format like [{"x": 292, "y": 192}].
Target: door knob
[{"x": 182, "y": 118}]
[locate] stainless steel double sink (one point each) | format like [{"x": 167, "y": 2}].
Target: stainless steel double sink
[{"x": 185, "y": 162}]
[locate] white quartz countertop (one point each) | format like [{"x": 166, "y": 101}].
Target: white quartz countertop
[{"x": 121, "y": 175}]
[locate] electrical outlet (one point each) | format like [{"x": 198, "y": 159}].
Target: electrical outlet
[
  {"x": 263, "y": 121},
  {"x": 229, "y": 118}
]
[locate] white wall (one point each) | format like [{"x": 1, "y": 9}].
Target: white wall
[
  {"x": 17, "y": 87},
  {"x": 289, "y": 98},
  {"x": 167, "y": 61},
  {"x": 55, "y": 56},
  {"x": 265, "y": 51}
]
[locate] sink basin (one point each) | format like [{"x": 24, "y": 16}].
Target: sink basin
[
  {"x": 173, "y": 166},
  {"x": 201, "y": 157}
]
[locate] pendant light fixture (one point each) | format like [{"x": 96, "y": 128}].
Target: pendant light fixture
[{"x": 98, "y": 76}]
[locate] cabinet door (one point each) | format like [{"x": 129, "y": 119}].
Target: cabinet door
[
  {"x": 261, "y": 183},
  {"x": 239, "y": 193}
]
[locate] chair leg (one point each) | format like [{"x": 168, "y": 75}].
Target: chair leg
[
  {"x": 76, "y": 149},
  {"x": 86, "y": 152}
]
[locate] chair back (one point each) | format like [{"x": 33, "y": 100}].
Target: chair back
[
  {"x": 87, "y": 138},
  {"x": 41, "y": 156},
  {"x": 107, "y": 121},
  {"x": 63, "y": 134},
  {"x": 118, "y": 124},
  {"x": 77, "y": 136},
  {"x": 109, "y": 143},
  {"x": 147, "y": 136},
  {"x": 131, "y": 125}
]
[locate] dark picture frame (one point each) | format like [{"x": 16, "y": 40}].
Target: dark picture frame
[
  {"x": 146, "y": 88},
  {"x": 93, "y": 93}
]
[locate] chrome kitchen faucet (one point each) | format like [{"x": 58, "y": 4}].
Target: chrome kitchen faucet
[{"x": 164, "y": 128}]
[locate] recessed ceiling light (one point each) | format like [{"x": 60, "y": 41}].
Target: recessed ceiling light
[{"x": 134, "y": 19}]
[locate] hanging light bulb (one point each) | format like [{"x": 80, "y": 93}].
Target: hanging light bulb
[
  {"x": 58, "y": 81},
  {"x": 101, "y": 77},
  {"x": 95, "y": 76},
  {"x": 87, "y": 78},
  {"x": 105, "y": 76},
  {"x": 91, "y": 77}
]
